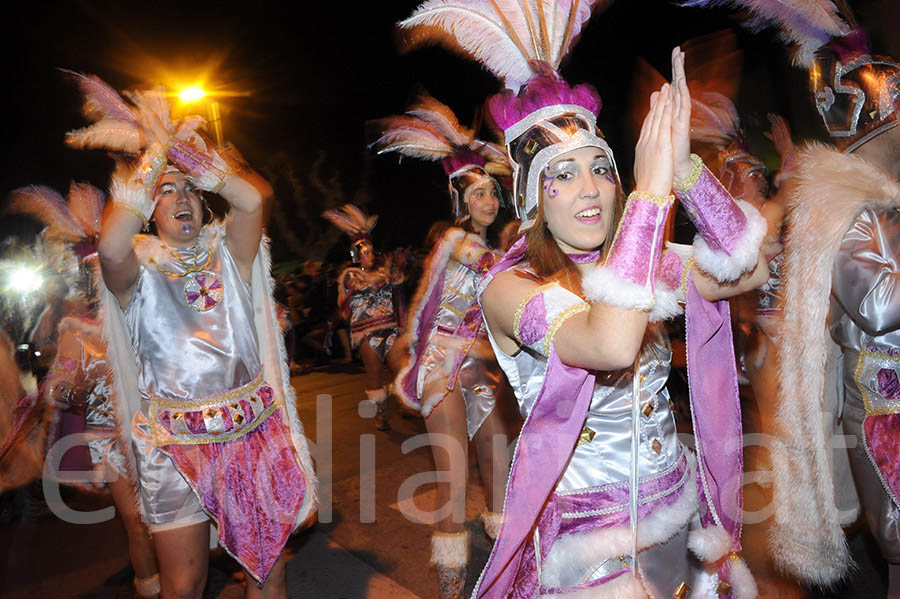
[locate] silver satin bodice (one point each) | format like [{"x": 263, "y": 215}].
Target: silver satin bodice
[
  {"x": 185, "y": 353},
  {"x": 457, "y": 296},
  {"x": 865, "y": 291},
  {"x": 479, "y": 376},
  {"x": 607, "y": 458},
  {"x": 865, "y": 315}
]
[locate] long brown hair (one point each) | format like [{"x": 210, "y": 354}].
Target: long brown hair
[{"x": 544, "y": 255}]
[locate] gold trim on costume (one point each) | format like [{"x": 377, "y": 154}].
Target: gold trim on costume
[
  {"x": 517, "y": 316},
  {"x": 558, "y": 322},
  {"x": 692, "y": 179}
]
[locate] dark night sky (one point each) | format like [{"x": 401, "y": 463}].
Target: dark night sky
[{"x": 318, "y": 71}]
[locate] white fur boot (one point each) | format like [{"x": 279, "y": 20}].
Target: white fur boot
[
  {"x": 147, "y": 588},
  {"x": 450, "y": 555},
  {"x": 378, "y": 398},
  {"x": 491, "y": 522}
]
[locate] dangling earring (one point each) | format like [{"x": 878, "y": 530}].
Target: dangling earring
[{"x": 212, "y": 216}]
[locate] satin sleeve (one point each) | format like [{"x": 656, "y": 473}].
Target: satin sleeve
[{"x": 866, "y": 276}]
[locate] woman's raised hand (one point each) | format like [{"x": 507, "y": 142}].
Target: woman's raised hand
[
  {"x": 653, "y": 166},
  {"x": 681, "y": 118}
]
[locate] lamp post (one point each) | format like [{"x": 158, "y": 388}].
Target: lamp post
[{"x": 196, "y": 93}]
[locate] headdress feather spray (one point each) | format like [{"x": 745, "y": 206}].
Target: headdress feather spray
[
  {"x": 806, "y": 24},
  {"x": 506, "y": 36}
]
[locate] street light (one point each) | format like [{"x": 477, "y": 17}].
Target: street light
[
  {"x": 191, "y": 94},
  {"x": 196, "y": 93}
]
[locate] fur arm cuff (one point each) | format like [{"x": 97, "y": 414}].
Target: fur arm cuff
[
  {"x": 627, "y": 278},
  {"x": 731, "y": 231},
  {"x": 728, "y": 266},
  {"x": 136, "y": 193}
]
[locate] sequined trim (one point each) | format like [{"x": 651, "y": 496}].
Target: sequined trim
[
  {"x": 517, "y": 317},
  {"x": 685, "y": 274},
  {"x": 657, "y": 200},
  {"x": 459, "y": 293},
  {"x": 450, "y": 308},
  {"x": 224, "y": 396},
  {"x": 145, "y": 222},
  {"x": 213, "y": 420},
  {"x": 558, "y": 322},
  {"x": 866, "y": 355},
  {"x": 692, "y": 179}
]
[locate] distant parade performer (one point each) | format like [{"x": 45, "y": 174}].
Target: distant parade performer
[
  {"x": 451, "y": 376},
  {"x": 198, "y": 362},
  {"x": 366, "y": 296},
  {"x": 78, "y": 380},
  {"x": 602, "y": 497}
]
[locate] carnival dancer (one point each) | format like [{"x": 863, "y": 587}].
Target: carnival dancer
[
  {"x": 451, "y": 376},
  {"x": 601, "y": 493},
  {"x": 78, "y": 379},
  {"x": 365, "y": 295},
  {"x": 839, "y": 286},
  {"x": 198, "y": 361}
]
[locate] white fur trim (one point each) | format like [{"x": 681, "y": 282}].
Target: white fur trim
[
  {"x": 436, "y": 263},
  {"x": 450, "y": 549},
  {"x": 133, "y": 195},
  {"x": 492, "y": 522},
  {"x": 277, "y": 371},
  {"x": 147, "y": 587},
  {"x": 724, "y": 267},
  {"x": 602, "y": 284},
  {"x": 710, "y": 544},
  {"x": 376, "y": 396},
  {"x": 607, "y": 543},
  {"x": 625, "y": 586},
  {"x": 667, "y": 303},
  {"x": 743, "y": 585},
  {"x": 806, "y": 539}
]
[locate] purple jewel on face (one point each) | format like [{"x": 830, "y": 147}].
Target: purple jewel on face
[{"x": 186, "y": 228}]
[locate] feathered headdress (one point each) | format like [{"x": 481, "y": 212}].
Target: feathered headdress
[
  {"x": 715, "y": 122},
  {"x": 430, "y": 131},
  {"x": 355, "y": 223},
  {"x": 854, "y": 92},
  {"x": 71, "y": 227},
  {"x": 805, "y": 24},
  {"x": 117, "y": 124},
  {"x": 522, "y": 42},
  {"x": 508, "y": 37}
]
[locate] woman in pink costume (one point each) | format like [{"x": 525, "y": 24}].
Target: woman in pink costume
[
  {"x": 603, "y": 500},
  {"x": 451, "y": 376}
]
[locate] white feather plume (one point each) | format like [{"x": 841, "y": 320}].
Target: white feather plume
[
  {"x": 442, "y": 119},
  {"x": 86, "y": 204},
  {"x": 503, "y": 35},
  {"x": 49, "y": 207},
  {"x": 351, "y": 220},
  {"x": 109, "y": 134},
  {"x": 808, "y": 24}
]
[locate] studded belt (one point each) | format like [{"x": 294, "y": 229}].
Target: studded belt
[{"x": 216, "y": 419}]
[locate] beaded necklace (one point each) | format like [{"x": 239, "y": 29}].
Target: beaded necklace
[{"x": 203, "y": 290}]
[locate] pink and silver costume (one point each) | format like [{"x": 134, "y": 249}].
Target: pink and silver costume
[
  {"x": 369, "y": 297},
  {"x": 213, "y": 421},
  {"x": 448, "y": 339},
  {"x": 80, "y": 370}
]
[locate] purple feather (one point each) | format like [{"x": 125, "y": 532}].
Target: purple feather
[
  {"x": 47, "y": 206},
  {"x": 101, "y": 100},
  {"x": 463, "y": 157}
]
